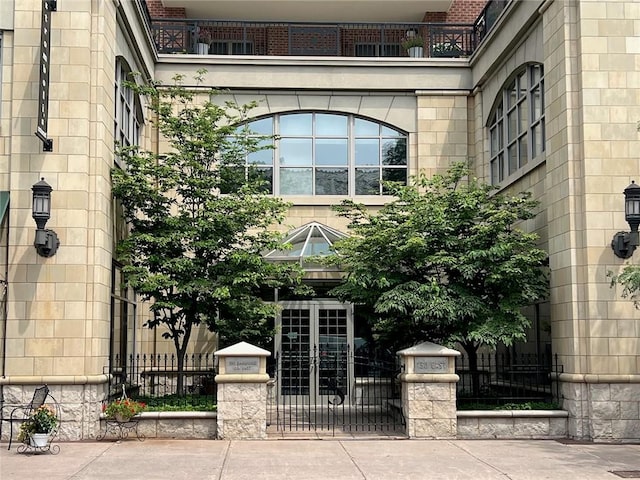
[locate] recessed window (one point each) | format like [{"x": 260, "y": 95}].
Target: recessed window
[
  {"x": 128, "y": 115},
  {"x": 516, "y": 127},
  {"x": 328, "y": 154}
]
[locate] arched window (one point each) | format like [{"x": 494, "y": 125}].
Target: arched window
[
  {"x": 319, "y": 153},
  {"x": 516, "y": 126},
  {"x": 128, "y": 115}
]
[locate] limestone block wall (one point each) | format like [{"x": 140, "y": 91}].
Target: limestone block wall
[
  {"x": 430, "y": 409},
  {"x": 512, "y": 424},
  {"x": 603, "y": 408},
  {"x": 186, "y": 425},
  {"x": 443, "y": 136},
  {"x": 242, "y": 412},
  {"x": 79, "y": 401}
]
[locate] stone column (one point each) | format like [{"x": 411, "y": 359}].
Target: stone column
[
  {"x": 429, "y": 390},
  {"x": 242, "y": 392}
]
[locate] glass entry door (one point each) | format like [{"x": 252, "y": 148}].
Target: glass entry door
[{"x": 313, "y": 346}]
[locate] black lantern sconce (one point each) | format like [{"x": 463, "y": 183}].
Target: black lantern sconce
[
  {"x": 624, "y": 243},
  {"x": 46, "y": 241}
]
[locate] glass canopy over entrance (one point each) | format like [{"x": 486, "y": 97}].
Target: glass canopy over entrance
[{"x": 310, "y": 240}]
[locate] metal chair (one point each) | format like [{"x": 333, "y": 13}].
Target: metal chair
[{"x": 21, "y": 412}]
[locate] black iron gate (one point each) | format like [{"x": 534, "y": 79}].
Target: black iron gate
[{"x": 332, "y": 391}]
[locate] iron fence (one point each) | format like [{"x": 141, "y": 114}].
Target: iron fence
[
  {"x": 157, "y": 376},
  {"x": 334, "y": 391},
  {"x": 221, "y": 37},
  {"x": 502, "y": 378}
]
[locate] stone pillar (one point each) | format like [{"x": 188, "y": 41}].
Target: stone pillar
[
  {"x": 429, "y": 390},
  {"x": 242, "y": 392}
]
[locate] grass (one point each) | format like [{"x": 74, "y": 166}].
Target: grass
[{"x": 175, "y": 403}]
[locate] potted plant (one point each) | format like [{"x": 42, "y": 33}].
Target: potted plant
[
  {"x": 122, "y": 410},
  {"x": 414, "y": 45},
  {"x": 446, "y": 49},
  {"x": 203, "y": 42},
  {"x": 36, "y": 429}
]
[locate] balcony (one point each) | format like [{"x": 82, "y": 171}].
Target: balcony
[
  {"x": 213, "y": 37},
  {"x": 318, "y": 10}
]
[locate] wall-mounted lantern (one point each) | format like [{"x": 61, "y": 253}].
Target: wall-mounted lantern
[
  {"x": 624, "y": 243},
  {"x": 46, "y": 241}
]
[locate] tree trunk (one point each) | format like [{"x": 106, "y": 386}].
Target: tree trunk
[
  {"x": 472, "y": 351},
  {"x": 181, "y": 351}
]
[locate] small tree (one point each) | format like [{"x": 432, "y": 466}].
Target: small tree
[
  {"x": 199, "y": 223},
  {"x": 444, "y": 262}
]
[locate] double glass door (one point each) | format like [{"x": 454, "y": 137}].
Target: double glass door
[{"x": 313, "y": 346}]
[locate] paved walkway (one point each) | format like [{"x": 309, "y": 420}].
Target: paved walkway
[{"x": 369, "y": 459}]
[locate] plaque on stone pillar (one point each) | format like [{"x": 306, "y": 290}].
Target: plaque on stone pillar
[
  {"x": 242, "y": 365},
  {"x": 430, "y": 364}
]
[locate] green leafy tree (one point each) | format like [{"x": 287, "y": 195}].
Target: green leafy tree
[
  {"x": 199, "y": 221},
  {"x": 443, "y": 262},
  {"x": 629, "y": 279}
]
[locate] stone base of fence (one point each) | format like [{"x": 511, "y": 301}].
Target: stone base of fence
[
  {"x": 512, "y": 424},
  {"x": 180, "y": 425}
]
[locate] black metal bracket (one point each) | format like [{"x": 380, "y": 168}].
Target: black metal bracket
[
  {"x": 622, "y": 246},
  {"x": 46, "y": 242}
]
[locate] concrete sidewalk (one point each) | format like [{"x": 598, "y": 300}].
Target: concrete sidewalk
[{"x": 156, "y": 459}]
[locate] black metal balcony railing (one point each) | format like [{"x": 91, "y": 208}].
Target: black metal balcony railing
[
  {"x": 488, "y": 17},
  {"x": 310, "y": 39}
]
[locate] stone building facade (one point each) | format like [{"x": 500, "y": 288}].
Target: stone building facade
[{"x": 548, "y": 101}]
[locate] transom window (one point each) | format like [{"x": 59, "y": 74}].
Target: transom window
[
  {"x": 329, "y": 154},
  {"x": 517, "y": 126}
]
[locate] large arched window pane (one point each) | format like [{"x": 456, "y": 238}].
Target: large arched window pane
[
  {"x": 321, "y": 153},
  {"x": 295, "y": 151},
  {"x": 517, "y": 125},
  {"x": 296, "y": 124}
]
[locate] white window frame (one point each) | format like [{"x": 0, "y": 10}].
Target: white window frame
[
  {"x": 128, "y": 119},
  {"x": 512, "y": 145},
  {"x": 350, "y": 166}
]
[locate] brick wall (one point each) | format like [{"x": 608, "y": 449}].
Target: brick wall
[
  {"x": 157, "y": 10},
  {"x": 461, "y": 11}
]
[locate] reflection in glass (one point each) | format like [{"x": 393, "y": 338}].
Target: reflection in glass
[
  {"x": 262, "y": 127},
  {"x": 512, "y": 153},
  {"x": 331, "y": 125},
  {"x": 389, "y": 132},
  {"x": 332, "y": 181},
  {"x": 367, "y": 181},
  {"x": 296, "y": 181},
  {"x": 393, "y": 175},
  {"x": 262, "y": 157},
  {"x": 365, "y": 128},
  {"x": 331, "y": 151},
  {"x": 523, "y": 152},
  {"x": 523, "y": 113},
  {"x": 394, "y": 152},
  {"x": 367, "y": 151},
  {"x": 295, "y": 151},
  {"x": 512, "y": 125},
  {"x": 263, "y": 176},
  {"x": 295, "y": 124}
]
